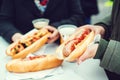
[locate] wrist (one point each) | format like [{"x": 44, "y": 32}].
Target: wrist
[{"x": 101, "y": 49}]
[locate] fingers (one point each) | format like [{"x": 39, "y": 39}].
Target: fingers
[
  {"x": 54, "y": 36},
  {"x": 16, "y": 36},
  {"x": 51, "y": 29},
  {"x": 89, "y": 53},
  {"x": 83, "y": 57},
  {"x": 90, "y": 27},
  {"x": 96, "y": 28}
]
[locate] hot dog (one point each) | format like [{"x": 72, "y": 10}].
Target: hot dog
[
  {"x": 29, "y": 43},
  {"x": 75, "y": 46},
  {"x": 33, "y": 63}
]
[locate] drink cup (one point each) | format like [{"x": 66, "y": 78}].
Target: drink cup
[
  {"x": 40, "y": 23},
  {"x": 66, "y": 31}
]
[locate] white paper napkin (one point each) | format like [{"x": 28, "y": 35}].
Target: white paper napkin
[{"x": 34, "y": 75}]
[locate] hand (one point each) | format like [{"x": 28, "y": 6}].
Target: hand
[
  {"x": 89, "y": 53},
  {"x": 54, "y": 36},
  {"x": 16, "y": 36},
  {"x": 97, "y": 29}
]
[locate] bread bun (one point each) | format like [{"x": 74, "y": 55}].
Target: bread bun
[
  {"x": 29, "y": 43},
  {"x": 75, "y": 46},
  {"x": 32, "y": 64}
]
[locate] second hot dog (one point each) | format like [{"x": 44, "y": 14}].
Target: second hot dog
[{"x": 29, "y": 43}]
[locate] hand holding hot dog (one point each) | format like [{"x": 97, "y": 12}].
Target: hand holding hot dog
[
  {"x": 53, "y": 37},
  {"x": 28, "y": 43},
  {"x": 91, "y": 50},
  {"x": 75, "y": 45},
  {"x": 89, "y": 53},
  {"x": 54, "y": 34},
  {"x": 97, "y": 29}
]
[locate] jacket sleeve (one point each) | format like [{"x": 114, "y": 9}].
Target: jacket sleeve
[
  {"x": 7, "y": 28},
  {"x": 77, "y": 15},
  {"x": 110, "y": 55}
]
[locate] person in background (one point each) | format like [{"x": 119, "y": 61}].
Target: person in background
[
  {"x": 0, "y": 3},
  {"x": 109, "y": 3},
  {"x": 89, "y": 8},
  {"x": 107, "y": 49},
  {"x": 16, "y": 16}
]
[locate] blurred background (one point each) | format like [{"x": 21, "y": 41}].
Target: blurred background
[{"x": 105, "y": 7}]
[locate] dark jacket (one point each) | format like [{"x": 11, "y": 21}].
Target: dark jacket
[
  {"x": 89, "y": 7},
  {"x": 109, "y": 50},
  {"x": 1, "y": 3},
  {"x": 17, "y": 15}
]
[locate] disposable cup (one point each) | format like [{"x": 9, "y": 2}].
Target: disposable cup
[
  {"x": 40, "y": 23},
  {"x": 66, "y": 31}
]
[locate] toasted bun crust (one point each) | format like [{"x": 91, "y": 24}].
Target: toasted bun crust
[
  {"x": 24, "y": 65},
  {"x": 79, "y": 49},
  {"x": 30, "y": 49}
]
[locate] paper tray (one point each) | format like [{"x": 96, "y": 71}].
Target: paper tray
[{"x": 34, "y": 75}]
